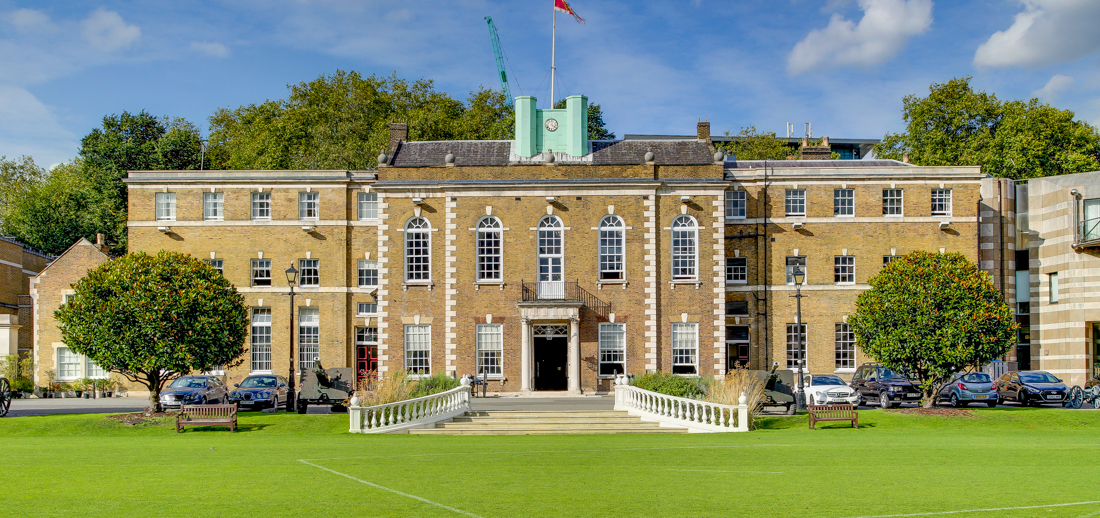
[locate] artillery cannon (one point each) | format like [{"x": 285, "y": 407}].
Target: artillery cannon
[
  {"x": 778, "y": 388},
  {"x": 321, "y": 386},
  {"x": 1090, "y": 394},
  {"x": 5, "y": 396}
]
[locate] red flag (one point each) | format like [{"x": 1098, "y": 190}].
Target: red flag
[{"x": 563, "y": 6}]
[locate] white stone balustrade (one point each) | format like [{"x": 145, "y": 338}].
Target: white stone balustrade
[
  {"x": 411, "y": 413},
  {"x": 697, "y": 416}
]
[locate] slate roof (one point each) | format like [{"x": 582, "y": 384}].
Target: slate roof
[
  {"x": 498, "y": 152},
  {"x": 759, "y": 164}
]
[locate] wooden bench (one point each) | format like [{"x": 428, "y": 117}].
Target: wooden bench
[
  {"x": 198, "y": 415},
  {"x": 833, "y": 413}
]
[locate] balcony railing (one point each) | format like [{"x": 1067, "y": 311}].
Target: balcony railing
[{"x": 562, "y": 291}]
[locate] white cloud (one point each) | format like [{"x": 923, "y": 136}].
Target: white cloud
[
  {"x": 210, "y": 48},
  {"x": 881, "y": 33},
  {"x": 1046, "y": 31},
  {"x": 29, "y": 20},
  {"x": 31, "y": 128},
  {"x": 107, "y": 31},
  {"x": 1056, "y": 84}
]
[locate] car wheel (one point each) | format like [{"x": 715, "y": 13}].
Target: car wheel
[
  {"x": 1021, "y": 397},
  {"x": 955, "y": 401},
  {"x": 884, "y": 400},
  {"x": 791, "y": 409},
  {"x": 302, "y": 406},
  {"x": 993, "y": 404}
]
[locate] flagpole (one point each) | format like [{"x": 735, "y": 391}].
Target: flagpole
[{"x": 553, "y": 55}]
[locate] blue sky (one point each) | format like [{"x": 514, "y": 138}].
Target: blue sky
[{"x": 655, "y": 66}]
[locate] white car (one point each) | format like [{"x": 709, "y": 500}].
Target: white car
[{"x": 828, "y": 389}]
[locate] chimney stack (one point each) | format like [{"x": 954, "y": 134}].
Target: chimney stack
[
  {"x": 702, "y": 131},
  {"x": 101, "y": 242},
  {"x": 905, "y": 157},
  {"x": 821, "y": 151},
  {"x": 399, "y": 132}
]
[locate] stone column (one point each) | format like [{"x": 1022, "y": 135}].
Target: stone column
[
  {"x": 574, "y": 355},
  {"x": 525, "y": 355}
]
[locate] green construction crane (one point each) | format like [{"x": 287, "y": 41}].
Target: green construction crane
[{"x": 500, "y": 60}]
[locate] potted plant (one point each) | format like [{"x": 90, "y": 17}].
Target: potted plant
[
  {"x": 78, "y": 388},
  {"x": 106, "y": 387}
]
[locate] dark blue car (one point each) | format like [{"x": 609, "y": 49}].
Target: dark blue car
[
  {"x": 259, "y": 391},
  {"x": 193, "y": 390},
  {"x": 1031, "y": 388}
]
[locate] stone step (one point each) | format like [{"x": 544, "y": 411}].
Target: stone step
[
  {"x": 561, "y": 420},
  {"x": 548, "y": 431},
  {"x": 542, "y": 415},
  {"x": 539, "y": 425}
]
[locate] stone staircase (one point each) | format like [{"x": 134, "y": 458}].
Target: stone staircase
[{"x": 544, "y": 423}]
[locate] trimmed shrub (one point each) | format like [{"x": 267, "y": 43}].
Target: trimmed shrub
[
  {"x": 433, "y": 385},
  {"x": 668, "y": 384}
]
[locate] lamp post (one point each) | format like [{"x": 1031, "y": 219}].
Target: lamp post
[
  {"x": 799, "y": 276},
  {"x": 291, "y": 277}
]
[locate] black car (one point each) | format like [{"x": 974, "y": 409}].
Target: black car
[
  {"x": 879, "y": 384},
  {"x": 193, "y": 390},
  {"x": 1031, "y": 388},
  {"x": 259, "y": 391}
]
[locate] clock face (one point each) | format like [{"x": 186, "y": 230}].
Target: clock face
[{"x": 551, "y": 124}]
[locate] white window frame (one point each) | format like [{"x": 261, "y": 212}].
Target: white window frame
[
  {"x": 842, "y": 209},
  {"x": 261, "y": 206},
  {"x": 309, "y": 206},
  {"x": 259, "y": 340},
  {"x": 254, "y": 267},
  {"x": 612, "y": 347},
  {"x": 1053, "y": 280},
  {"x": 685, "y": 248},
  {"x": 792, "y": 346},
  {"x": 737, "y": 204},
  {"x": 685, "y": 346},
  {"x": 737, "y": 273},
  {"x": 793, "y": 200},
  {"x": 165, "y": 206},
  {"x": 611, "y": 249},
  {"x": 93, "y": 371},
  {"x": 489, "y": 248},
  {"x": 941, "y": 202},
  {"x": 217, "y": 264},
  {"x": 418, "y": 237},
  {"x": 213, "y": 206},
  {"x": 73, "y": 361},
  {"x": 888, "y": 207},
  {"x": 490, "y": 346},
  {"x": 366, "y": 309},
  {"x": 887, "y": 259},
  {"x": 790, "y": 269},
  {"x": 367, "y": 206},
  {"x": 422, "y": 334},
  {"x": 309, "y": 337},
  {"x": 312, "y": 266},
  {"x": 364, "y": 277},
  {"x": 845, "y": 348},
  {"x": 844, "y": 269}
]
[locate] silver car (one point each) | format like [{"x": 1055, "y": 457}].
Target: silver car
[
  {"x": 969, "y": 387},
  {"x": 193, "y": 390}
]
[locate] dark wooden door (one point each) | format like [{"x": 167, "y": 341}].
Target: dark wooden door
[{"x": 551, "y": 359}]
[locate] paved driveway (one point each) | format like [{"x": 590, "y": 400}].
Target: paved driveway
[{"x": 26, "y": 407}]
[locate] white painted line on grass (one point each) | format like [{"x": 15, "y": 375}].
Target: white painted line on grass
[
  {"x": 1094, "y": 513},
  {"x": 937, "y": 513},
  {"x": 394, "y": 491},
  {"x": 525, "y": 452},
  {"x": 725, "y": 471}
]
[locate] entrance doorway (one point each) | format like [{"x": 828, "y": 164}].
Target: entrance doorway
[
  {"x": 366, "y": 352},
  {"x": 551, "y": 347}
]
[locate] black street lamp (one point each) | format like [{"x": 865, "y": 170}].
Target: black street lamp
[
  {"x": 291, "y": 277},
  {"x": 799, "y": 276}
]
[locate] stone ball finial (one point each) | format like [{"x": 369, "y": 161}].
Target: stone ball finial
[
  {"x": 743, "y": 399},
  {"x": 465, "y": 381},
  {"x": 450, "y": 158},
  {"x": 549, "y": 157},
  {"x": 382, "y": 159},
  {"x": 649, "y": 156},
  {"x": 719, "y": 156}
]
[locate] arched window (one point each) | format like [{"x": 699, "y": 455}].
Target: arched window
[
  {"x": 489, "y": 249},
  {"x": 611, "y": 248},
  {"x": 418, "y": 250},
  {"x": 550, "y": 258},
  {"x": 685, "y": 239}
]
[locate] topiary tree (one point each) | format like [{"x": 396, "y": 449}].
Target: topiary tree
[
  {"x": 931, "y": 315},
  {"x": 155, "y": 318}
]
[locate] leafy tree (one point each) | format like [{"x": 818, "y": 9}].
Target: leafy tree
[
  {"x": 51, "y": 212},
  {"x": 15, "y": 176},
  {"x": 931, "y": 315},
  {"x": 597, "y": 128},
  {"x": 749, "y": 144},
  {"x": 131, "y": 142},
  {"x": 956, "y": 125},
  {"x": 155, "y": 318},
  {"x": 342, "y": 122}
]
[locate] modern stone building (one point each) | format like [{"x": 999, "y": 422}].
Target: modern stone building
[{"x": 550, "y": 262}]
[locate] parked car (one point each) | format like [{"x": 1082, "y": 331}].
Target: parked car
[
  {"x": 1031, "y": 388},
  {"x": 828, "y": 389},
  {"x": 193, "y": 390},
  {"x": 259, "y": 391},
  {"x": 875, "y": 383},
  {"x": 967, "y": 387}
]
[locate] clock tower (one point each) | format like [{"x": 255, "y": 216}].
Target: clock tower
[{"x": 562, "y": 131}]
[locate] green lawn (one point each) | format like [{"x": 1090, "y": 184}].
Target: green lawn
[{"x": 895, "y": 464}]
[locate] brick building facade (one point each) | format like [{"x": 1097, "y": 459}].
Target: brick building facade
[
  {"x": 546, "y": 269},
  {"x": 18, "y": 264}
]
